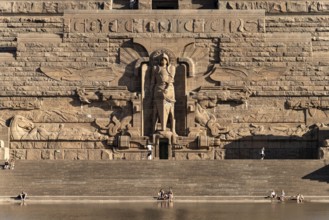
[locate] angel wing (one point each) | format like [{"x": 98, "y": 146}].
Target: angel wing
[
  {"x": 129, "y": 55},
  {"x": 200, "y": 58},
  {"x": 256, "y": 74},
  {"x": 85, "y": 74}
]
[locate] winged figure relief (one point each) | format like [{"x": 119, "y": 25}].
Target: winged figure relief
[
  {"x": 252, "y": 75},
  {"x": 199, "y": 57},
  {"x": 84, "y": 74}
]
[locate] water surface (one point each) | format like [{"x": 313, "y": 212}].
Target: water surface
[{"x": 164, "y": 210}]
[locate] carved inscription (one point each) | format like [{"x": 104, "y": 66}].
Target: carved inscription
[{"x": 212, "y": 22}]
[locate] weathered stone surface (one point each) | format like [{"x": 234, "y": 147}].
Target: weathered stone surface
[
  {"x": 82, "y": 155},
  {"x": 108, "y": 155},
  {"x": 47, "y": 154},
  {"x": 98, "y": 81},
  {"x": 18, "y": 154},
  {"x": 94, "y": 154},
  {"x": 32, "y": 154},
  {"x": 70, "y": 154}
]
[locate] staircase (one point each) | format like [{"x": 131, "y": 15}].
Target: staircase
[{"x": 145, "y": 178}]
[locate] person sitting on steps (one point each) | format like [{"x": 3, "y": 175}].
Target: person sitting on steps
[
  {"x": 170, "y": 195},
  {"x": 7, "y": 165},
  {"x": 22, "y": 196},
  {"x": 283, "y": 195},
  {"x": 300, "y": 198},
  {"x": 161, "y": 194},
  {"x": 273, "y": 195}
]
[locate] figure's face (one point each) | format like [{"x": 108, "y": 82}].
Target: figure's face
[{"x": 163, "y": 61}]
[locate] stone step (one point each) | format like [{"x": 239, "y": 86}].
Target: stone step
[{"x": 140, "y": 178}]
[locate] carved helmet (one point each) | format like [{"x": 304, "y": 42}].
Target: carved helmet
[{"x": 164, "y": 56}]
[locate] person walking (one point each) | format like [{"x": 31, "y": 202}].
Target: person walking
[{"x": 262, "y": 153}]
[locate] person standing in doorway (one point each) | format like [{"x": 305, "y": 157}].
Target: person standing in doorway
[
  {"x": 132, "y": 4},
  {"x": 262, "y": 153},
  {"x": 149, "y": 151}
]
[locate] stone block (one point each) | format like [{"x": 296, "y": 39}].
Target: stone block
[
  {"x": 144, "y": 4},
  {"x": 4, "y": 153},
  {"x": 27, "y": 145},
  {"x": 54, "y": 145},
  {"x": 95, "y": 154},
  {"x": 47, "y": 154},
  {"x": 58, "y": 154},
  {"x": 293, "y": 6},
  {"x": 32, "y": 154},
  {"x": 82, "y": 155},
  {"x": 100, "y": 145},
  {"x": 194, "y": 156},
  {"x": 108, "y": 155},
  {"x": 88, "y": 145},
  {"x": 18, "y": 154},
  {"x": 71, "y": 145},
  {"x": 15, "y": 145},
  {"x": 220, "y": 154},
  {"x": 133, "y": 156},
  {"x": 180, "y": 156},
  {"x": 40, "y": 145},
  {"x": 6, "y": 7},
  {"x": 70, "y": 154}
]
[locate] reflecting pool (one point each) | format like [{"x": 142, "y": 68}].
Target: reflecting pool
[{"x": 164, "y": 210}]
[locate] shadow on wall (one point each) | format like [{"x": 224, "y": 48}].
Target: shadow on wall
[
  {"x": 276, "y": 147},
  {"x": 321, "y": 175}
]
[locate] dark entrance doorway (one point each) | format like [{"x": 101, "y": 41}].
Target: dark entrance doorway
[
  {"x": 165, "y": 4},
  {"x": 163, "y": 149}
]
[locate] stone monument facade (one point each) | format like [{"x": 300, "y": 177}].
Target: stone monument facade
[{"x": 200, "y": 80}]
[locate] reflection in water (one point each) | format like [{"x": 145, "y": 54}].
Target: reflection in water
[
  {"x": 165, "y": 210},
  {"x": 165, "y": 204}
]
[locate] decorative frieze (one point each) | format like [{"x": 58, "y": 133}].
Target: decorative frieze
[{"x": 163, "y": 22}]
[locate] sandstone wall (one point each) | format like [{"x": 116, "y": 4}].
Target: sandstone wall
[{"x": 277, "y": 49}]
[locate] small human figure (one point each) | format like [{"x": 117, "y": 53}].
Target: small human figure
[
  {"x": 283, "y": 195},
  {"x": 300, "y": 198},
  {"x": 170, "y": 195},
  {"x": 262, "y": 153},
  {"x": 12, "y": 164},
  {"x": 7, "y": 165},
  {"x": 23, "y": 195},
  {"x": 273, "y": 195},
  {"x": 132, "y": 4},
  {"x": 149, "y": 151},
  {"x": 161, "y": 194}
]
